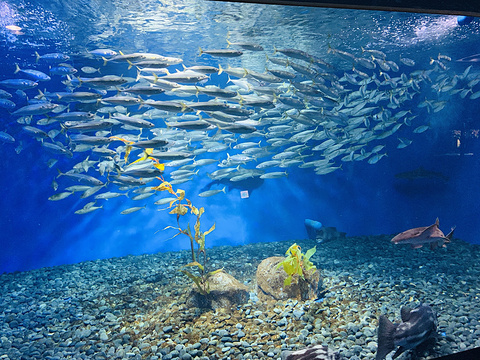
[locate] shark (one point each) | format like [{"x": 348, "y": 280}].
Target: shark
[
  {"x": 420, "y": 236},
  {"x": 421, "y": 173}
]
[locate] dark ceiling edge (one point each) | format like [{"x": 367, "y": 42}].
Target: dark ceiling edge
[{"x": 389, "y": 5}]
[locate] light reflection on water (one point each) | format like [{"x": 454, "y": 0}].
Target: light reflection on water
[{"x": 176, "y": 27}]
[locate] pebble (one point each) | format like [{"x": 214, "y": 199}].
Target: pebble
[
  {"x": 112, "y": 308},
  {"x": 103, "y": 335},
  {"x": 298, "y": 313},
  {"x": 167, "y": 329}
]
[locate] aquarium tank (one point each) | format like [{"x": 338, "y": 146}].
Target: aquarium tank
[{"x": 221, "y": 180}]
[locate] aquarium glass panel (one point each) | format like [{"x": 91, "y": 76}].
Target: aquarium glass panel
[{"x": 220, "y": 180}]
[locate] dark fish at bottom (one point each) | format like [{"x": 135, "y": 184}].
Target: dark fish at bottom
[{"x": 416, "y": 327}]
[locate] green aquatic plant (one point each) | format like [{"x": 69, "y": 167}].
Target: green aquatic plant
[
  {"x": 297, "y": 263},
  {"x": 181, "y": 208}
]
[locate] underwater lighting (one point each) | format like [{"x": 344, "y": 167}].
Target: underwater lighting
[{"x": 7, "y": 15}]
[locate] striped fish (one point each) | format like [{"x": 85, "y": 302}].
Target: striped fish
[
  {"x": 416, "y": 327},
  {"x": 316, "y": 352}
]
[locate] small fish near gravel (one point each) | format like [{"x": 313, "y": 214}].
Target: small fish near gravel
[{"x": 317, "y": 352}]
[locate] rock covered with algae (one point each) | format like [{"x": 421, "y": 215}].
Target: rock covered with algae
[{"x": 271, "y": 282}]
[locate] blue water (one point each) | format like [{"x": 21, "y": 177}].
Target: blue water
[{"x": 359, "y": 199}]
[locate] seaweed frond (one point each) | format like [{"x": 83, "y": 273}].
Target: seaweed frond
[{"x": 297, "y": 263}]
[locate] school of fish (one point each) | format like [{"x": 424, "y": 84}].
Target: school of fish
[{"x": 124, "y": 135}]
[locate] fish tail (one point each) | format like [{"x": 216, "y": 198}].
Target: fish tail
[
  {"x": 242, "y": 100},
  {"x": 37, "y": 56},
  {"x": 220, "y": 70},
  {"x": 201, "y": 51},
  {"x": 17, "y": 69},
  {"x": 228, "y": 43},
  {"x": 450, "y": 234},
  {"x": 385, "y": 337}
]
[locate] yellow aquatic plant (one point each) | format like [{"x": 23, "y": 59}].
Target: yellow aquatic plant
[
  {"x": 297, "y": 263},
  {"x": 198, "y": 237}
]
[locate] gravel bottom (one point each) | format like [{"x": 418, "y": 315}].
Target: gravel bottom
[{"x": 134, "y": 307}]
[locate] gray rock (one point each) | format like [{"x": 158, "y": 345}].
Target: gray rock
[
  {"x": 103, "y": 335},
  {"x": 298, "y": 313},
  {"x": 110, "y": 317},
  {"x": 167, "y": 329},
  {"x": 225, "y": 292}
]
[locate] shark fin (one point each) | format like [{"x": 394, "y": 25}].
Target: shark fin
[
  {"x": 405, "y": 313},
  {"x": 385, "y": 337}
]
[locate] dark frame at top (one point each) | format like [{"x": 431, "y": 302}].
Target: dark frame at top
[{"x": 451, "y": 7}]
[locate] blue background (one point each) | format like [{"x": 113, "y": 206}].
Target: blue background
[{"x": 359, "y": 199}]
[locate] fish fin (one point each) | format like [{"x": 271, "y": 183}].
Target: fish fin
[
  {"x": 405, "y": 313},
  {"x": 450, "y": 234},
  {"x": 437, "y": 222},
  {"x": 416, "y": 246},
  {"x": 385, "y": 337},
  {"x": 429, "y": 230},
  {"x": 138, "y": 75},
  {"x": 433, "y": 245},
  {"x": 398, "y": 352}
]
